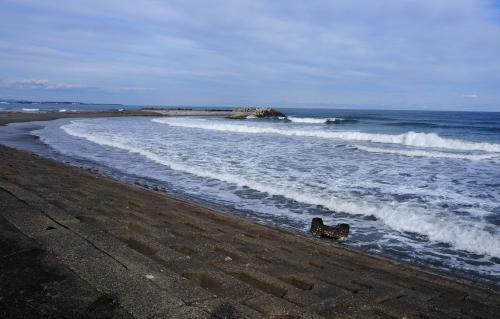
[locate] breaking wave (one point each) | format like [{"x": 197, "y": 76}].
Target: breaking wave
[
  {"x": 424, "y": 140},
  {"x": 421, "y": 153},
  {"x": 402, "y": 217},
  {"x": 314, "y": 120}
]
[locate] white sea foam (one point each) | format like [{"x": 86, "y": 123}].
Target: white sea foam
[
  {"x": 25, "y": 109},
  {"x": 464, "y": 235},
  {"x": 313, "y": 120},
  {"x": 425, "y": 140},
  {"x": 63, "y": 110},
  {"x": 422, "y": 153}
]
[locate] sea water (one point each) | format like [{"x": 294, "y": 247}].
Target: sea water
[
  {"x": 63, "y": 107},
  {"x": 422, "y": 187}
]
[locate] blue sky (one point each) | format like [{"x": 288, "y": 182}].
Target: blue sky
[{"x": 435, "y": 54}]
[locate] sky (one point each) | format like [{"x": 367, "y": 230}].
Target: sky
[{"x": 408, "y": 54}]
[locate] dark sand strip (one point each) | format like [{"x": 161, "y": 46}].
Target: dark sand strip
[
  {"x": 10, "y": 117},
  {"x": 157, "y": 256}
]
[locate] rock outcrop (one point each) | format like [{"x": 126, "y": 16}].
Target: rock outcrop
[
  {"x": 339, "y": 232},
  {"x": 267, "y": 112},
  {"x": 259, "y": 112}
]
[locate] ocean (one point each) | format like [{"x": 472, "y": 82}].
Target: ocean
[
  {"x": 417, "y": 186},
  {"x": 63, "y": 107}
]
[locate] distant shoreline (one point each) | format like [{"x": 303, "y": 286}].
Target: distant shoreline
[
  {"x": 236, "y": 113},
  {"x": 11, "y": 117}
]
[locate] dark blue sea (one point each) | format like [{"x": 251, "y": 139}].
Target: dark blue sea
[{"x": 63, "y": 107}]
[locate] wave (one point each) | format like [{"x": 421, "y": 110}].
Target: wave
[
  {"x": 417, "y": 124},
  {"x": 30, "y": 110},
  {"x": 424, "y": 140},
  {"x": 444, "y": 126},
  {"x": 490, "y": 129},
  {"x": 400, "y": 217},
  {"x": 314, "y": 120},
  {"x": 421, "y": 153},
  {"x": 254, "y": 117}
]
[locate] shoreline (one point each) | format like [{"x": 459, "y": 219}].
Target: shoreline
[
  {"x": 28, "y": 179},
  {"x": 14, "y": 117},
  {"x": 31, "y": 144}
]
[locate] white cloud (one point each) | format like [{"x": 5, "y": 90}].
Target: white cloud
[
  {"x": 387, "y": 51},
  {"x": 128, "y": 89},
  {"x": 470, "y": 96},
  {"x": 47, "y": 85},
  {"x": 38, "y": 84}
]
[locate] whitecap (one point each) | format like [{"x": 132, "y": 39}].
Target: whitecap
[
  {"x": 463, "y": 235},
  {"x": 424, "y": 140},
  {"x": 422, "y": 153},
  {"x": 313, "y": 120}
]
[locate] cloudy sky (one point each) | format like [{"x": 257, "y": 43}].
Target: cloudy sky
[{"x": 435, "y": 54}]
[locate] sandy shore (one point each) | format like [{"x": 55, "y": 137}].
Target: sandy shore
[
  {"x": 156, "y": 256},
  {"x": 9, "y": 117}
]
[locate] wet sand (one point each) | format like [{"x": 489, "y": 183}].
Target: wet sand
[{"x": 156, "y": 256}]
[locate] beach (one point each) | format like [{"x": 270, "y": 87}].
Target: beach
[
  {"x": 154, "y": 255},
  {"x": 11, "y": 117}
]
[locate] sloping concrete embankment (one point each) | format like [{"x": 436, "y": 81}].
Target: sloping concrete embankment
[{"x": 155, "y": 256}]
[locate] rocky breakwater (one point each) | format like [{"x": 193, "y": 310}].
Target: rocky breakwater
[{"x": 258, "y": 112}]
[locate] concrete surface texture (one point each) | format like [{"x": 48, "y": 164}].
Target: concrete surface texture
[{"x": 126, "y": 251}]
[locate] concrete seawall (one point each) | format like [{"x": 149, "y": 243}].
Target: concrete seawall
[{"x": 154, "y": 256}]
